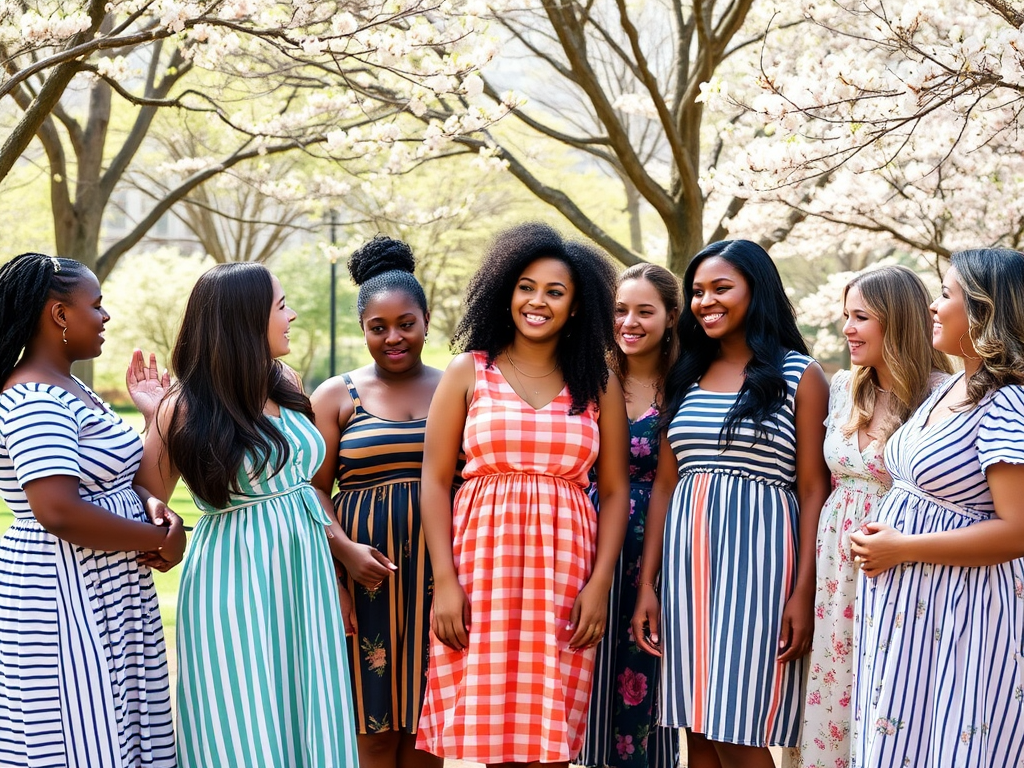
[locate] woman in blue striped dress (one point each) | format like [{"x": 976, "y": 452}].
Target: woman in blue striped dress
[
  {"x": 83, "y": 672},
  {"x": 733, "y": 517},
  {"x": 940, "y": 604},
  {"x": 374, "y": 419},
  {"x": 262, "y": 674}
]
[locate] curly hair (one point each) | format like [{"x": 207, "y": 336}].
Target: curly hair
[
  {"x": 991, "y": 278},
  {"x": 770, "y": 328},
  {"x": 383, "y": 265},
  {"x": 587, "y": 337},
  {"x": 26, "y": 283}
]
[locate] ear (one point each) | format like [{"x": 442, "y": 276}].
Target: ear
[
  {"x": 673, "y": 317},
  {"x": 426, "y": 321},
  {"x": 57, "y": 313}
]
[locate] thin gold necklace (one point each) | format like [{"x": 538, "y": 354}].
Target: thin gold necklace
[{"x": 515, "y": 369}]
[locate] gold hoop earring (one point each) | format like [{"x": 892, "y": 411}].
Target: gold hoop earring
[
  {"x": 964, "y": 353},
  {"x": 64, "y": 334}
]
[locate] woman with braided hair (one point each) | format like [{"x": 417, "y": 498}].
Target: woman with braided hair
[
  {"x": 374, "y": 418},
  {"x": 83, "y": 672}
]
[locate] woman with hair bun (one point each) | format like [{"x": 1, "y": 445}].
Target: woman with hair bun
[
  {"x": 940, "y": 603},
  {"x": 83, "y": 669},
  {"x": 888, "y": 329},
  {"x": 522, "y": 562},
  {"x": 374, "y": 419}
]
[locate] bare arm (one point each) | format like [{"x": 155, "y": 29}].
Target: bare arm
[
  {"x": 589, "y": 614},
  {"x": 812, "y": 488},
  {"x": 332, "y": 409},
  {"x": 988, "y": 542},
  {"x": 647, "y": 614},
  {"x": 446, "y": 422}
]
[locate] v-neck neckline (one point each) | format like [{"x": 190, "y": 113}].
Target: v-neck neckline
[{"x": 526, "y": 402}]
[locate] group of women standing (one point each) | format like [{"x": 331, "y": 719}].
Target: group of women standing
[{"x": 623, "y": 510}]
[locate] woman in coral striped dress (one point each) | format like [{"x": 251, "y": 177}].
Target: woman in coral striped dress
[{"x": 522, "y": 564}]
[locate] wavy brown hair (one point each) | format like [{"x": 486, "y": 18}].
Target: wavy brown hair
[
  {"x": 898, "y": 299},
  {"x": 993, "y": 278}
]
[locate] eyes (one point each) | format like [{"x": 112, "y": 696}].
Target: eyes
[
  {"x": 405, "y": 326},
  {"x": 621, "y": 311},
  {"x": 528, "y": 288},
  {"x": 698, "y": 292}
]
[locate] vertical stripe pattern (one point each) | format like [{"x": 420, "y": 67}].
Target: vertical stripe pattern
[
  {"x": 378, "y": 503},
  {"x": 83, "y": 669},
  {"x": 729, "y": 566},
  {"x": 262, "y": 670},
  {"x": 939, "y": 679},
  {"x": 524, "y": 538}
]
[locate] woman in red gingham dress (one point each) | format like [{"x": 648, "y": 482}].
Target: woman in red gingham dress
[{"x": 522, "y": 564}]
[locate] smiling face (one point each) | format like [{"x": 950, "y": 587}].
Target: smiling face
[
  {"x": 720, "y": 298},
  {"x": 85, "y": 318},
  {"x": 281, "y": 317},
  {"x": 641, "y": 318},
  {"x": 395, "y": 329},
  {"x": 543, "y": 299},
  {"x": 863, "y": 330},
  {"x": 949, "y": 319}
]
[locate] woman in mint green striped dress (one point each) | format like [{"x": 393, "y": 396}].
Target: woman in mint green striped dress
[{"x": 262, "y": 668}]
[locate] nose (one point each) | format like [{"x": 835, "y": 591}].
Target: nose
[
  {"x": 848, "y": 326},
  {"x": 393, "y": 337}
]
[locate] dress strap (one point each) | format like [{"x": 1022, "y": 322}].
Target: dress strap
[{"x": 352, "y": 392}]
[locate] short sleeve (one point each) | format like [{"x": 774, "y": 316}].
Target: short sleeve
[
  {"x": 839, "y": 397},
  {"x": 41, "y": 436},
  {"x": 1001, "y": 430}
]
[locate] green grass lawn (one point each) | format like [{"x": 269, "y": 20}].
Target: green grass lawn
[{"x": 166, "y": 583}]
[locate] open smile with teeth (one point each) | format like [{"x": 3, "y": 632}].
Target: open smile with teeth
[
  {"x": 632, "y": 336},
  {"x": 713, "y": 317},
  {"x": 530, "y": 318}
]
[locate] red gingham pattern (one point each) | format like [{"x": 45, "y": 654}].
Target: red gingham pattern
[{"x": 524, "y": 535}]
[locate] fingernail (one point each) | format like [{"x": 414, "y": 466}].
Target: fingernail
[
  {"x": 654, "y": 637},
  {"x": 570, "y": 626}
]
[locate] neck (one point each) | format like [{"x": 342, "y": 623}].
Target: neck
[
  {"x": 386, "y": 375},
  {"x": 971, "y": 367},
  {"x": 53, "y": 365},
  {"x": 734, "y": 349},
  {"x": 884, "y": 378},
  {"x": 538, "y": 354},
  {"x": 644, "y": 367}
]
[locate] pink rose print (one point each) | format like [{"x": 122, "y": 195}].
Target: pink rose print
[
  {"x": 848, "y": 612},
  {"x": 639, "y": 446},
  {"x": 844, "y": 700},
  {"x": 624, "y": 744},
  {"x": 632, "y": 689},
  {"x": 814, "y": 697}
]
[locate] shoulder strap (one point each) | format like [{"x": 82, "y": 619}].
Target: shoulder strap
[{"x": 352, "y": 392}]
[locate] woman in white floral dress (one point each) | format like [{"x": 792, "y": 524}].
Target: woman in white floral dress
[{"x": 888, "y": 330}]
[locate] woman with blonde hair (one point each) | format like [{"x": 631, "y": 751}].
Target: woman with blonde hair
[
  {"x": 888, "y": 330},
  {"x": 940, "y": 604}
]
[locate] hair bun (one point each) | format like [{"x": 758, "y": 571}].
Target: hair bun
[{"x": 382, "y": 254}]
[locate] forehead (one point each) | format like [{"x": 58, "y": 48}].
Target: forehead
[
  {"x": 278, "y": 288},
  {"x": 87, "y": 287},
  {"x": 547, "y": 270},
  {"x": 716, "y": 268},
  {"x": 638, "y": 291},
  {"x": 393, "y": 302}
]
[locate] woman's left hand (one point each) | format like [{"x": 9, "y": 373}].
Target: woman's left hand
[
  {"x": 797, "y": 625},
  {"x": 877, "y": 547},
  {"x": 588, "y": 617},
  {"x": 146, "y": 385}
]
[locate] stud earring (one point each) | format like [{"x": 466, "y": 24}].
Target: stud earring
[{"x": 426, "y": 335}]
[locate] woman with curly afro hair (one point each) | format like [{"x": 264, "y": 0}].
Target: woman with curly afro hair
[{"x": 522, "y": 563}]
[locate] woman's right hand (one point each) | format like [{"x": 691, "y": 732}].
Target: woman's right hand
[
  {"x": 367, "y": 565},
  {"x": 450, "y": 617},
  {"x": 646, "y": 616}
]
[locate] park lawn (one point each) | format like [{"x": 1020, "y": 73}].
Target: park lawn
[{"x": 166, "y": 583}]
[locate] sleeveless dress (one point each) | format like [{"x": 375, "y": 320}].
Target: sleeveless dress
[
  {"x": 729, "y": 567},
  {"x": 940, "y": 670},
  {"x": 622, "y": 726},
  {"x": 378, "y": 503},
  {"x": 83, "y": 670},
  {"x": 262, "y": 673},
  {"x": 859, "y": 481},
  {"x": 524, "y": 539}
]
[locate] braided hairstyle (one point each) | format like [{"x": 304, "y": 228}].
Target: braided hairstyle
[
  {"x": 383, "y": 265},
  {"x": 586, "y": 339},
  {"x": 27, "y": 282}
]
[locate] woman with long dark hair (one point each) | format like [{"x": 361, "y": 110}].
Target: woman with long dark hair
[
  {"x": 734, "y": 511},
  {"x": 262, "y": 669},
  {"x": 940, "y": 602},
  {"x": 622, "y": 727},
  {"x": 374, "y": 418},
  {"x": 83, "y": 670},
  {"x": 522, "y": 563}
]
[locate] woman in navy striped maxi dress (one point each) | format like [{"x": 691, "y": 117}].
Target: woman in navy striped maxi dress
[
  {"x": 83, "y": 671},
  {"x": 733, "y": 516},
  {"x": 939, "y": 679}
]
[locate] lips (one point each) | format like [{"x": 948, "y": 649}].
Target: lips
[
  {"x": 712, "y": 317},
  {"x": 632, "y": 338},
  {"x": 533, "y": 319}
]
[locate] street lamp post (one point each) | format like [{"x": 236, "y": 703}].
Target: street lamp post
[{"x": 334, "y": 288}]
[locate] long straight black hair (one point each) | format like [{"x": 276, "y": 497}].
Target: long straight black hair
[
  {"x": 225, "y": 375},
  {"x": 770, "y": 328}
]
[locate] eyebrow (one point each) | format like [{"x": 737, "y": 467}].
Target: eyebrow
[{"x": 718, "y": 280}]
